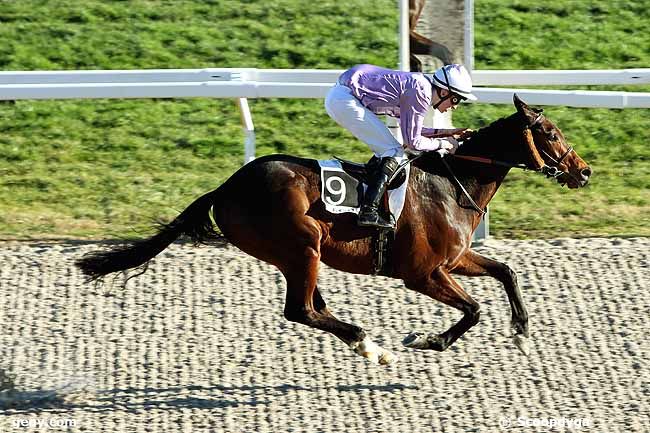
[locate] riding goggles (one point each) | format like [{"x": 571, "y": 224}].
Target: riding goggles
[{"x": 456, "y": 99}]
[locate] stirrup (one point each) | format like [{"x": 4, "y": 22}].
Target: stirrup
[{"x": 371, "y": 218}]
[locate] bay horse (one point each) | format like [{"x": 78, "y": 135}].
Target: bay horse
[{"x": 271, "y": 208}]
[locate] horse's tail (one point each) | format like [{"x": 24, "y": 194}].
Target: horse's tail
[{"x": 194, "y": 222}]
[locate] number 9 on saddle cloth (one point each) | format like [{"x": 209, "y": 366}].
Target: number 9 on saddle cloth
[{"x": 343, "y": 185}]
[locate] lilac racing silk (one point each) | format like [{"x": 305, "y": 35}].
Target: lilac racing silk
[{"x": 406, "y": 95}]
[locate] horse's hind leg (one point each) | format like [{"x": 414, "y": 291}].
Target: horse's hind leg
[
  {"x": 302, "y": 305},
  {"x": 442, "y": 287},
  {"x": 277, "y": 230},
  {"x": 473, "y": 264},
  {"x": 305, "y": 305},
  {"x": 319, "y": 303},
  {"x": 321, "y": 308},
  {"x": 364, "y": 347}
]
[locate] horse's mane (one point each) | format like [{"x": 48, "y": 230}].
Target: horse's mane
[
  {"x": 482, "y": 142},
  {"x": 495, "y": 131}
]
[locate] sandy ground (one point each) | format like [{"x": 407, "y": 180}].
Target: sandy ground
[{"x": 199, "y": 343}]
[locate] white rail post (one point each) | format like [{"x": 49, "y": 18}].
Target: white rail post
[
  {"x": 404, "y": 31},
  {"x": 468, "y": 47},
  {"x": 404, "y": 59},
  {"x": 249, "y": 129},
  {"x": 483, "y": 230}
]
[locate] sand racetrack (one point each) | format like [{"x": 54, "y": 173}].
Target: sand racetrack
[{"x": 199, "y": 343}]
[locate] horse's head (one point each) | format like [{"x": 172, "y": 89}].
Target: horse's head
[{"x": 548, "y": 149}]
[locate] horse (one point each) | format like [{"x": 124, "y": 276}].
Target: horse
[
  {"x": 271, "y": 208},
  {"x": 422, "y": 45}
]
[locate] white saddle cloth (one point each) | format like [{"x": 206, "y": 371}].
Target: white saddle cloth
[{"x": 339, "y": 190}]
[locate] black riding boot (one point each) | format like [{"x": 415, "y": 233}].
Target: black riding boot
[{"x": 377, "y": 184}]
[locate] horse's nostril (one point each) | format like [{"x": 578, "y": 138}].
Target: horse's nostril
[{"x": 586, "y": 172}]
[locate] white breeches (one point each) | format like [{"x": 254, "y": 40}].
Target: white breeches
[{"x": 347, "y": 111}]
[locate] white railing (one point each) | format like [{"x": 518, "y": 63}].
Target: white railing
[
  {"x": 561, "y": 77},
  {"x": 278, "y": 83},
  {"x": 242, "y": 83}
]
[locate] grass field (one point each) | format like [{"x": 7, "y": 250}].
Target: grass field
[{"x": 106, "y": 168}]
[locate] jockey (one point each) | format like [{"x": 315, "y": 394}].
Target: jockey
[{"x": 365, "y": 91}]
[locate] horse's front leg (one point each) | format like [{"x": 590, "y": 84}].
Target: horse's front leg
[
  {"x": 473, "y": 264},
  {"x": 442, "y": 287}
]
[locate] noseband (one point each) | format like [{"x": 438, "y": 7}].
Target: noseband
[{"x": 554, "y": 171}]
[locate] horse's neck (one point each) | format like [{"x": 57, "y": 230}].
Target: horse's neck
[
  {"x": 481, "y": 181},
  {"x": 499, "y": 141},
  {"x": 432, "y": 191},
  {"x": 481, "y": 187}
]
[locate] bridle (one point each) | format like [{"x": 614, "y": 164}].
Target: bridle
[{"x": 551, "y": 171}]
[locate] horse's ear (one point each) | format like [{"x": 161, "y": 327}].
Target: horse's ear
[
  {"x": 524, "y": 109},
  {"x": 521, "y": 105}
]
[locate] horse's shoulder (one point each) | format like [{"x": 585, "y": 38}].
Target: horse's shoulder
[{"x": 431, "y": 178}]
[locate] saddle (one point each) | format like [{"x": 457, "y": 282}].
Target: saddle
[{"x": 361, "y": 171}]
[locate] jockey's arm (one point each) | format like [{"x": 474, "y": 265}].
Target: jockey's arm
[{"x": 413, "y": 107}]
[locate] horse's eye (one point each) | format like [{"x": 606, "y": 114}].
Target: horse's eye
[{"x": 552, "y": 136}]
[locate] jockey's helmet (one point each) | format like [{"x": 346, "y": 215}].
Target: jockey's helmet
[{"x": 456, "y": 79}]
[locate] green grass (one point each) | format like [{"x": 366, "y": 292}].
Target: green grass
[{"x": 106, "y": 168}]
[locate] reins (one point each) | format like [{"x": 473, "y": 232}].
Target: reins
[
  {"x": 460, "y": 185},
  {"x": 491, "y": 161},
  {"x": 462, "y": 188},
  {"x": 549, "y": 170}
]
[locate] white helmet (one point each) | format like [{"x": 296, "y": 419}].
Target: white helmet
[{"x": 454, "y": 78}]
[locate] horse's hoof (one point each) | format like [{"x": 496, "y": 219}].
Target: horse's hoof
[
  {"x": 387, "y": 358},
  {"x": 416, "y": 340},
  {"x": 372, "y": 352},
  {"x": 519, "y": 328},
  {"x": 436, "y": 343},
  {"x": 522, "y": 343}
]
